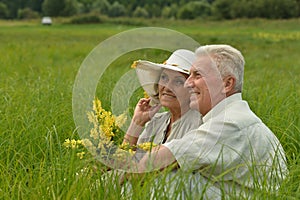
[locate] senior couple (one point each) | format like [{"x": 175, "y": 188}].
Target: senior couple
[{"x": 208, "y": 130}]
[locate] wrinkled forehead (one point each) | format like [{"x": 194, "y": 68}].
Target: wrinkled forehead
[{"x": 204, "y": 64}]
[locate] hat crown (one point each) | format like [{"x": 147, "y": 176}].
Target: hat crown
[{"x": 182, "y": 59}]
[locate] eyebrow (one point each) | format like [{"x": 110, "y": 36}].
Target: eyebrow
[
  {"x": 179, "y": 77},
  {"x": 198, "y": 70},
  {"x": 194, "y": 71}
]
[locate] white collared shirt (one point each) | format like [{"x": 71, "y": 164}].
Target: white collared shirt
[{"x": 233, "y": 147}]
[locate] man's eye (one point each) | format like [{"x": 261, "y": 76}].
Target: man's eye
[{"x": 198, "y": 75}]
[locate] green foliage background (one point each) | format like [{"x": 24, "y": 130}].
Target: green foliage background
[
  {"x": 180, "y": 9},
  {"x": 38, "y": 67}
]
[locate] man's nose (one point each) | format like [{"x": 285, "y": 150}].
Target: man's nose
[{"x": 187, "y": 83}]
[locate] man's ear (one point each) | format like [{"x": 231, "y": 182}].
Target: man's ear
[{"x": 229, "y": 84}]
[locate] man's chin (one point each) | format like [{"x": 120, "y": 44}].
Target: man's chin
[{"x": 194, "y": 105}]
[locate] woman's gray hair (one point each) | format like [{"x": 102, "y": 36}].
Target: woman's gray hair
[{"x": 229, "y": 61}]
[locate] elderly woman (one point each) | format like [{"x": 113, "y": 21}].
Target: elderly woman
[{"x": 164, "y": 83}]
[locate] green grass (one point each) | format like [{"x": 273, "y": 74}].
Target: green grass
[{"x": 38, "y": 68}]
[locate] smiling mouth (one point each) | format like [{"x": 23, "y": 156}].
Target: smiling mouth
[{"x": 193, "y": 95}]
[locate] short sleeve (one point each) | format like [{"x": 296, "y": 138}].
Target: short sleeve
[
  {"x": 212, "y": 143},
  {"x": 197, "y": 148}
]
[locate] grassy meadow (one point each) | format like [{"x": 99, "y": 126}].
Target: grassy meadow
[{"x": 38, "y": 66}]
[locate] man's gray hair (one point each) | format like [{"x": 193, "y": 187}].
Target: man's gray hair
[{"x": 229, "y": 61}]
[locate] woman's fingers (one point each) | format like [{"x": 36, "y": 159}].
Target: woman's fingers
[{"x": 154, "y": 109}]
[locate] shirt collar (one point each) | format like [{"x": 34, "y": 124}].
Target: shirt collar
[{"x": 221, "y": 106}]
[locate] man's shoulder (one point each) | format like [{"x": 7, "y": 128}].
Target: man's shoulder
[
  {"x": 237, "y": 114},
  {"x": 241, "y": 114}
]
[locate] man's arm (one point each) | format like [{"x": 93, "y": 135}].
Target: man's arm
[{"x": 158, "y": 159}]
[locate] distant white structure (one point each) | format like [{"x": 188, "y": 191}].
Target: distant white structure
[{"x": 46, "y": 21}]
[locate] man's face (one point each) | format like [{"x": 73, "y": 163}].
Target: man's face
[{"x": 205, "y": 85}]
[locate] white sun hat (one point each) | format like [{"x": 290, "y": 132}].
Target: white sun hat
[{"x": 148, "y": 72}]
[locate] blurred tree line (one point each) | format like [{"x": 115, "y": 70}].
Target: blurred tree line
[{"x": 177, "y": 9}]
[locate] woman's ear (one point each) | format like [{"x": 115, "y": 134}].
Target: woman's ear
[{"x": 229, "y": 84}]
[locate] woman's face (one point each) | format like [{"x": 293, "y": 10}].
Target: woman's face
[{"x": 172, "y": 93}]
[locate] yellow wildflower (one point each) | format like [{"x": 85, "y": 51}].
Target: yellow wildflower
[
  {"x": 100, "y": 141},
  {"x": 121, "y": 119},
  {"x": 133, "y": 66},
  {"x": 92, "y": 118},
  {"x": 131, "y": 152},
  {"x": 67, "y": 143},
  {"x": 73, "y": 144},
  {"x": 97, "y": 107},
  {"x": 80, "y": 155},
  {"x": 146, "y": 95},
  {"x": 87, "y": 143},
  {"x": 94, "y": 133},
  {"x": 147, "y": 146}
]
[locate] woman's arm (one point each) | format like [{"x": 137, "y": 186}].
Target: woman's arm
[{"x": 142, "y": 114}]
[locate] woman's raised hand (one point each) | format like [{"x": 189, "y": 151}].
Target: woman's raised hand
[{"x": 144, "y": 111}]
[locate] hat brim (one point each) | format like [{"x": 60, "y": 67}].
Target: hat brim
[
  {"x": 148, "y": 74},
  {"x": 144, "y": 64}
]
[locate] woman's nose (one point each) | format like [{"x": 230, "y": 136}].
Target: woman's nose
[{"x": 168, "y": 85}]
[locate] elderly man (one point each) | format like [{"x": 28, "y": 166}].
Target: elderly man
[{"x": 233, "y": 148}]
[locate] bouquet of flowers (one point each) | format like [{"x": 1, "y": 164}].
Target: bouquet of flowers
[{"x": 104, "y": 137}]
